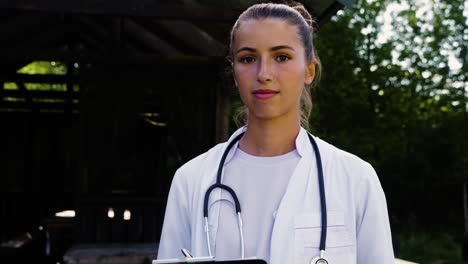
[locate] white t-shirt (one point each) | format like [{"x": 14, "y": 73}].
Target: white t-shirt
[{"x": 260, "y": 183}]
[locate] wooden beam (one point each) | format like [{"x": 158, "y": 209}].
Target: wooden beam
[
  {"x": 141, "y": 8},
  {"x": 149, "y": 39},
  {"x": 193, "y": 36},
  {"x": 47, "y": 37},
  {"x": 94, "y": 28},
  {"x": 37, "y": 78},
  {"x": 38, "y": 94},
  {"x": 87, "y": 42},
  {"x": 9, "y": 56},
  {"x": 36, "y": 106},
  {"x": 20, "y": 24}
]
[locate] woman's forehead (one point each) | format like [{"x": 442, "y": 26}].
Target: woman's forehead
[{"x": 266, "y": 32}]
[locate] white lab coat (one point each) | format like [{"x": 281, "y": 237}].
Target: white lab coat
[{"x": 358, "y": 224}]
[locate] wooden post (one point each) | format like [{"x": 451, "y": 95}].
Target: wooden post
[
  {"x": 222, "y": 115},
  {"x": 2, "y": 88},
  {"x": 465, "y": 210}
]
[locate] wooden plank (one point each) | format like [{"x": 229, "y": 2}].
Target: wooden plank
[
  {"x": 135, "y": 225},
  {"x": 26, "y": 113},
  {"x": 42, "y": 106},
  {"x": 117, "y": 225},
  {"x": 40, "y": 94},
  {"x": 19, "y": 24},
  {"x": 124, "y": 200},
  {"x": 93, "y": 32},
  {"x": 103, "y": 224},
  {"x": 48, "y": 35},
  {"x": 141, "y": 8},
  {"x": 11, "y": 55},
  {"x": 86, "y": 225},
  {"x": 150, "y": 222},
  {"x": 70, "y": 93},
  {"x": 38, "y": 78},
  {"x": 116, "y": 253},
  {"x": 222, "y": 114},
  {"x": 195, "y": 37},
  {"x": 149, "y": 39}
]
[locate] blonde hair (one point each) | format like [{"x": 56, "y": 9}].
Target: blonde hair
[{"x": 295, "y": 15}]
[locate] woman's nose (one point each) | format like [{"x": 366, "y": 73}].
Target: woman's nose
[{"x": 264, "y": 73}]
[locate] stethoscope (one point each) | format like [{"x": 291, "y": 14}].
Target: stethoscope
[{"x": 323, "y": 205}]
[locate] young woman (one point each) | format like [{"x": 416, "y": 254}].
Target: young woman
[{"x": 264, "y": 193}]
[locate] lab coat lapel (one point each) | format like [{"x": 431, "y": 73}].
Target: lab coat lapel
[{"x": 301, "y": 196}]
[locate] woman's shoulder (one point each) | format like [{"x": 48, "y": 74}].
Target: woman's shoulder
[
  {"x": 355, "y": 175},
  {"x": 346, "y": 161},
  {"x": 330, "y": 154}
]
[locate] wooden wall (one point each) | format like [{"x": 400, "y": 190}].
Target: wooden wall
[{"x": 135, "y": 123}]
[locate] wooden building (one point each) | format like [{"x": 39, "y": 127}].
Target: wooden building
[{"x": 144, "y": 89}]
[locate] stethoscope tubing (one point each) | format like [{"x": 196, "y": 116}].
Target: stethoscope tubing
[
  {"x": 218, "y": 184},
  {"x": 323, "y": 201}
]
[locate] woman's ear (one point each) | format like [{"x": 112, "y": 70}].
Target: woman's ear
[{"x": 310, "y": 72}]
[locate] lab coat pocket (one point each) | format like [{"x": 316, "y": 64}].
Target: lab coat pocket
[{"x": 307, "y": 233}]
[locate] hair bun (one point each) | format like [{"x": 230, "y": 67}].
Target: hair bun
[{"x": 304, "y": 13}]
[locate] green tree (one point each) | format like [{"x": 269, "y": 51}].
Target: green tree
[{"x": 399, "y": 101}]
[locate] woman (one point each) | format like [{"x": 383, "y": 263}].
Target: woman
[{"x": 272, "y": 166}]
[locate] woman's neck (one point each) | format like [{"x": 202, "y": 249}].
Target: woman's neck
[{"x": 267, "y": 138}]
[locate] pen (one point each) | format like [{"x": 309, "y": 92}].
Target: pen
[{"x": 186, "y": 253}]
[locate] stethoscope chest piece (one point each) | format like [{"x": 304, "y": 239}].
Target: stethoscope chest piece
[{"x": 319, "y": 260}]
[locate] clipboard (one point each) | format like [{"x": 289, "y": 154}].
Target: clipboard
[{"x": 208, "y": 260}]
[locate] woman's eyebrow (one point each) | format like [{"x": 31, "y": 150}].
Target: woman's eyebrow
[
  {"x": 272, "y": 48},
  {"x": 282, "y": 47},
  {"x": 247, "y": 49}
]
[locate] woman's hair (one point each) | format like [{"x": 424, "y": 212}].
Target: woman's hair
[{"x": 296, "y": 15}]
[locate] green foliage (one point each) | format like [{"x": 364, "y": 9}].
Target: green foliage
[
  {"x": 44, "y": 67},
  {"x": 399, "y": 101},
  {"x": 426, "y": 247},
  {"x": 417, "y": 243},
  {"x": 10, "y": 86}
]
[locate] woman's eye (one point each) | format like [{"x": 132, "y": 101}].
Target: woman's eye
[
  {"x": 283, "y": 57},
  {"x": 247, "y": 59}
]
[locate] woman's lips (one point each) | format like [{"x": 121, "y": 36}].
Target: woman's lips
[{"x": 264, "y": 93}]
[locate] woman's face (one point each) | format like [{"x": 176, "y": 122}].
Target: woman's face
[{"x": 270, "y": 68}]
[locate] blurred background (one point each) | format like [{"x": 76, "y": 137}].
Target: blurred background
[{"x": 101, "y": 101}]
